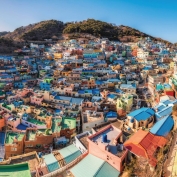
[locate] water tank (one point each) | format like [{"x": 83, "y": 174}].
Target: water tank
[
  {"x": 40, "y": 154},
  {"x": 104, "y": 138},
  {"x": 132, "y": 120},
  {"x": 121, "y": 147}
]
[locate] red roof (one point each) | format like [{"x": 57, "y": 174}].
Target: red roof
[{"x": 144, "y": 144}]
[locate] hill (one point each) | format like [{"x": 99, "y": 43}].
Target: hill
[
  {"x": 111, "y": 31},
  {"x": 2, "y": 33},
  {"x": 55, "y": 29},
  {"x": 94, "y": 27},
  {"x": 39, "y": 31},
  {"x": 7, "y": 46}
]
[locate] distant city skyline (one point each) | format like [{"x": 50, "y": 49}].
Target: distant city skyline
[{"x": 156, "y": 18}]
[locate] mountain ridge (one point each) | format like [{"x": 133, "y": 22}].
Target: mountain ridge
[{"x": 55, "y": 29}]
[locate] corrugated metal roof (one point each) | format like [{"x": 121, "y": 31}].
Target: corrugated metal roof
[
  {"x": 138, "y": 111},
  {"x": 164, "y": 112},
  {"x": 163, "y": 126},
  {"x": 92, "y": 166},
  {"x": 72, "y": 157},
  {"x": 69, "y": 153},
  {"x": 142, "y": 116},
  {"x": 51, "y": 162},
  {"x": 107, "y": 170}
]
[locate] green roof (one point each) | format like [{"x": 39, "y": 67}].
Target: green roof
[
  {"x": 70, "y": 153},
  {"x": 35, "y": 121},
  {"x": 51, "y": 162},
  {"x": 69, "y": 123},
  {"x": 10, "y": 136},
  {"x": 92, "y": 166},
  {"x": 55, "y": 126},
  {"x": 17, "y": 170}
]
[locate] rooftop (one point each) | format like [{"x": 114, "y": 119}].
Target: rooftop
[
  {"x": 30, "y": 158},
  {"x": 70, "y": 153},
  {"x": 35, "y": 121},
  {"x": 12, "y": 136},
  {"x": 111, "y": 134},
  {"x": 18, "y": 170},
  {"x": 94, "y": 166}
]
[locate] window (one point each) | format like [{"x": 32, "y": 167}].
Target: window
[{"x": 13, "y": 149}]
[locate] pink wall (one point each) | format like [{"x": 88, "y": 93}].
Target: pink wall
[
  {"x": 14, "y": 124},
  {"x": 36, "y": 100},
  {"x": 99, "y": 151}
]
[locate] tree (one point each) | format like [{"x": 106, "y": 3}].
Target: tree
[{"x": 174, "y": 112}]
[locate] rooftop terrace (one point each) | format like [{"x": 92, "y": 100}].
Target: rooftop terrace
[
  {"x": 31, "y": 158},
  {"x": 35, "y": 121},
  {"x": 11, "y": 136},
  {"x": 18, "y": 170},
  {"x": 110, "y": 138}
]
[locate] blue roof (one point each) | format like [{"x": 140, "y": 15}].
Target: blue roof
[
  {"x": 119, "y": 91},
  {"x": 2, "y": 138},
  {"x": 174, "y": 102},
  {"x": 57, "y": 111},
  {"x": 99, "y": 82},
  {"x": 147, "y": 68},
  {"x": 160, "y": 107},
  {"x": 165, "y": 102},
  {"x": 148, "y": 110},
  {"x": 112, "y": 96},
  {"x": 127, "y": 86},
  {"x": 113, "y": 80},
  {"x": 138, "y": 111},
  {"x": 111, "y": 114},
  {"x": 142, "y": 116},
  {"x": 22, "y": 127},
  {"x": 163, "y": 126},
  {"x": 164, "y": 112}
]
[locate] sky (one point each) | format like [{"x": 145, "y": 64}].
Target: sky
[{"x": 155, "y": 17}]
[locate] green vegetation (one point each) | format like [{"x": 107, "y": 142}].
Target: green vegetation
[
  {"x": 53, "y": 29},
  {"x": 44, "y": 30},
  {"x": 7, "y": 42},
  {"x": 3, "y": 33},
  {"x": 129, "y": 168},
  {"x": 94, "y": 27},
  {"x": 174, "y": 112},
  {"x": 39, "y": 31}
]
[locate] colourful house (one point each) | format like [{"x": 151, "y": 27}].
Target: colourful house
[
  {"x": 145, "y": 144},
  {"x": 124, "y": 103},
  {"x": 107, "y": 144}
]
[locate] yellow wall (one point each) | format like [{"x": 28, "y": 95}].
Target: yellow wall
[{"x": 58, "y": 55}]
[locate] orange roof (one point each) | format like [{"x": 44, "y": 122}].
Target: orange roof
[{"x": 144, "y": 144}]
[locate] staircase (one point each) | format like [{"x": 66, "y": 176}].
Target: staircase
[{"x": 59, "y": 158}]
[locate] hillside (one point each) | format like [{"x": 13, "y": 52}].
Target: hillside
[
  {"x": 2, "y": 33},
  {"x": 39, "y": 31},
  {"x": 7, "y": 46},
  {"x": 55, "y": 29},
  {"x": 94, "y": 27},
  {"x": 103, "y": 29}
]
